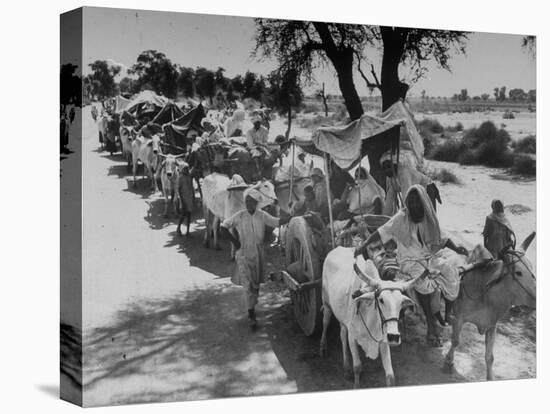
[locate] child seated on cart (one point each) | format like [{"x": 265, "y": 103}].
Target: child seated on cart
[{"x": 386, "y": 262}]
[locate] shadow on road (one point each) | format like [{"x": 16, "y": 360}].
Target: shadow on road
[{"x": 194, "y": 345}]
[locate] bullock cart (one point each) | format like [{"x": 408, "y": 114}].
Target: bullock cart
[{"x": 307, "y": 241}]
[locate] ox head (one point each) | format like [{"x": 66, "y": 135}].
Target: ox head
[
  {"x": 155, "y": 143},
  {"x": 127, "y": 133},
  {"x": 170, "y": 165},
  {"x": 387, "y": 299},
  {"x": 521, "y": 270},
  {"x": 267, "y": 190}
]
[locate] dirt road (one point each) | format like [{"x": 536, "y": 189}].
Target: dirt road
[{"x": 163, "y": 322}]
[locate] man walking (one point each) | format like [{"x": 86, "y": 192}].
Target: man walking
[{"x": 249, "y": 226}]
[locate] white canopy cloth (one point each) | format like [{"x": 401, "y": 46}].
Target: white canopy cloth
[{"x": 343, "y": 143}]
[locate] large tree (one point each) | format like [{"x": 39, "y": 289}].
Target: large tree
[
  {"x": 220, "y": 80},
  {"x": 154, "y": 70},
  {"x": 530, "y": 43},
  {"x": 206, "y": 83},
  {"x": 102, "y": 78},
  {"x": 237, "y": 84},
  {"x": 186, "y": 81},
  {"x": 128, "y": 86},
  {"x": 303, "y": 46}
]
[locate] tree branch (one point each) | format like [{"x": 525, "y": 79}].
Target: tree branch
[
  {"x": 370, "y": 84},
  {"x": 326, "y": 38}
]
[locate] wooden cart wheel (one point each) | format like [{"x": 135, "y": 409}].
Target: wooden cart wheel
[{"x": 299, "y": 251}]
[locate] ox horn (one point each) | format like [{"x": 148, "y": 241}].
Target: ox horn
[
  {"x": 525, "y": 245},
  {"x": 410, "y": 283},
  {"x": 372, "y": 282}
]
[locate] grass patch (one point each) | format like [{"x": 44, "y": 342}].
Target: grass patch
[
  {"x": 446, "y": 176},
  {"x": 313, "y": 123},
  {"x": 443, "y": 175}
]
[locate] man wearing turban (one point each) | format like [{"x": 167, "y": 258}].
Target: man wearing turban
[{"x": 249, "y": 225}]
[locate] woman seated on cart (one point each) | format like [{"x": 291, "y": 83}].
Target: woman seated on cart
[
  {"x": 365, "y": 196},
  {"x": 308, "y": 205},
  {"x": 416, "y": 230}
]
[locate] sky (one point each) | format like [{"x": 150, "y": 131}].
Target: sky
[{"x": 211, "y": 41}]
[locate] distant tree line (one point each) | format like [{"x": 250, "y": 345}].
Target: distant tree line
[
  {"x": 499, "y": 93},
  {"x": 155, "y": 71}
]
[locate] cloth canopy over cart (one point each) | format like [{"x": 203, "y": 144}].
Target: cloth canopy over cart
[{"x": 307, "y": 242}]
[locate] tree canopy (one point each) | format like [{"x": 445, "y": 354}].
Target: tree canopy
[
  {"x": 155, "y": 71},
  {"x": 102, "y": 78}
]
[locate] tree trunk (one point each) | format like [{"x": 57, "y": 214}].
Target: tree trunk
[
  {"x": 287, "y": 134},
  {"x": 343, "y": 64},
  {"x": 392, "y": 90}
]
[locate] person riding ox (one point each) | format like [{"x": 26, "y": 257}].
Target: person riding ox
[
  {"x": 416, "y": 230},
  {"x": 498, "y": 235},
  {"x": 399, "y": 178}
]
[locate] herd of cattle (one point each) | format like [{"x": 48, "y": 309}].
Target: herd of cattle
[{"x": 370, "y": 319}]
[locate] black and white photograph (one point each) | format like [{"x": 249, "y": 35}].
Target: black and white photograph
[{"x": 256, "y": 206}]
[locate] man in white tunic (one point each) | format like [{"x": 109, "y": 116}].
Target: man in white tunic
[
  {"x": 257, "y": 135},
  {"x": 250, "y": 225}
]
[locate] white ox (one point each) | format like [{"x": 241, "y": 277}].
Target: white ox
[
  {"x": 220, "y": 203},
  {"x": 169, "y": 175},
  {"x": 368, "y": 319},
  {"x": 147, "y": 151},
  {"x": 127, "y": 136}
]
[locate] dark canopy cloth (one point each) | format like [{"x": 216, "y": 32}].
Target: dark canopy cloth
[
  {"x": 146, "y": 103},
  {"x": 345, "y": 143},
  {"x": 169, "y": 113},
  {"x": 176, "y": 131}
]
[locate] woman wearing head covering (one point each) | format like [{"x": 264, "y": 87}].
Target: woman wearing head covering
[
  {"x": 320, "y": 190},
  {"x": 234, "y": 126},
  {"x": 365, "y": 197},
  {"x": 399, "y": 178},
  {"x": 212, "y": 132},
  {"x": 416, "y": 230},
  {"x": 498, "y": 235},
  {"x": 250, "y": 224}
]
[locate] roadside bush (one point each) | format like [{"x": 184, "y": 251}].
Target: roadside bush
[
  {"x": 456, "y": 128},
  {"x": 524, "y": 164},
  {"x": 526, "y": 145},
  {"x": 485, "y": 145},
  {"x": 508, "y": 115},
  {"x": 448, "y": 150},
  {"x": 311, "y": 107},
  {"x": 430, "y": 125},
  {"x": 488, "y": 145}
]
